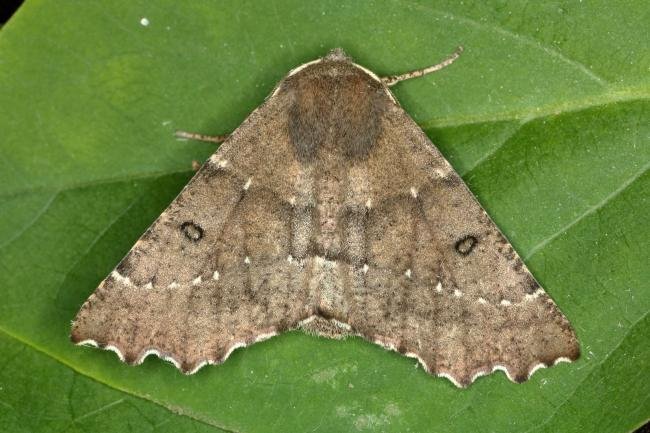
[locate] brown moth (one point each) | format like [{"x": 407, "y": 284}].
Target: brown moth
[{"x": 329, "y": 209}]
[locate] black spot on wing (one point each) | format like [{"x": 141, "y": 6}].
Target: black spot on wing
[
  {"x": 192, "y": 231},
  {"x": 530, "y": 285},
  {"x": 465, "y": 245}
]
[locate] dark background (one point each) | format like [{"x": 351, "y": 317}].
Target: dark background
[{"x": 7, "y": 9}]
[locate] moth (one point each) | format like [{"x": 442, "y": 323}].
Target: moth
[{"x": 329, "y": 209}]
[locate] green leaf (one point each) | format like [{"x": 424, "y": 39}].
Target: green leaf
[{"x": 545, "y": 115}]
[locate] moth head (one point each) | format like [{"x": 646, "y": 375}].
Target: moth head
[
  {"x": 334, "y": 67},
  {"x": 333, "y": 100},
  {"x": 337, "y": 55}
]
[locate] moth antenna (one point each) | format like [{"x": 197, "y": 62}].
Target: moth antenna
[
  {"x": 201, "y": 137},
  {"x": 391, "y": 80}
]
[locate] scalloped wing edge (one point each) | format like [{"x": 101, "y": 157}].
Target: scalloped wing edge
[
  {"x": 170, "y": 358},
  {"x": 449, "y": 376},
  {"x": 265, "y": 336}
]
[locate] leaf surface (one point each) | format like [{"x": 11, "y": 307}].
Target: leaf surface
[{"x": 545, "y": 116}]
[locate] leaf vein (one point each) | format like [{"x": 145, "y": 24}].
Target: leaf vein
[
  {"x": 587, "y": 212},
  {"x": 71, "y": 366},
  {"x": 505, "y": 138},
  {"x": 624, "y": 95},
  {"x": 598, "y": 365},
  {"x": 95, "y": 182},
  {"x": 523, "y": 39},
  {"x": 31, "y": 222}
]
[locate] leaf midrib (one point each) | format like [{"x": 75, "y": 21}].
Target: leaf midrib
[
  {"x": 145, "y": 175},
  {"x": 610, "y": 97},
  {"x": 534, "y": 250},
  {"x": 523, "y": 117}
]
